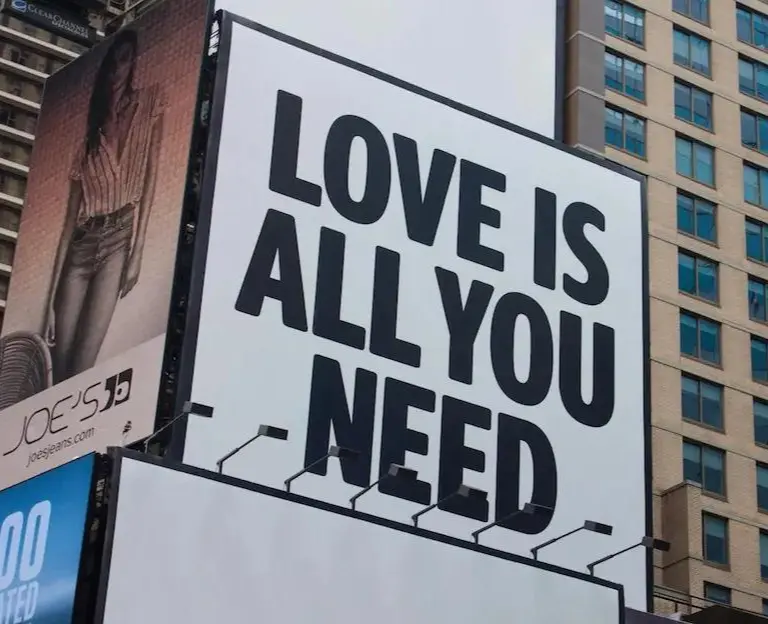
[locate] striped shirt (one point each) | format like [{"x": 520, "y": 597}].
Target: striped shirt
[{"x": 110, "y": 179}]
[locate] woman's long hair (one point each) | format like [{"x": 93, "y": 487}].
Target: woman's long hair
[{"x": 101, "y": 96}]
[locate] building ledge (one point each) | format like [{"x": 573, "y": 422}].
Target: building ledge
[
  {"x": 7, "y": 234},
  {"x": 19, "y": 135},
  {"x": 37, "y": 44},
  {"x": 13, "y": 166},
  {"x": 27, "y": 105},
  {"x": 23, "y": 70},
  {"x": 11, "y": 200}
]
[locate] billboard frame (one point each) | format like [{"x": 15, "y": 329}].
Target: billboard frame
[
  {"x": 226, "y": 20},
  {"x": 117, "y": 454},
  {"x": 166, "y": 409}
]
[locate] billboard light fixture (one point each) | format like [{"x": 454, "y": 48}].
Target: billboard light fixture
[
  {"x": 464, "y": 491},
  {"x": 341, "y": 452},
  {"x": 529, "y": 509},
  {"x": 589, "y": 525},
  {"x": 189, "y": 407},
  {"x": 395, "y": 470},
  {"x": 264, "y": 431},
  {"x": 648, "y": 542}
]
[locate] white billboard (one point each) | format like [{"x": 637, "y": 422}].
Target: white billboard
[
  {"x": 504, "y": 58},
  {"x": 393, "y": 275},
  {"x": 215, "y": 552}
]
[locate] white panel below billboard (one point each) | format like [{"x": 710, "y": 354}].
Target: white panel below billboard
[
  {"x": 213, "y": 552},
  {"x": 498, "y": 57}
]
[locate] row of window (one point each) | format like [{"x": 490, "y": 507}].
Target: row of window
[
  {"x": 41, "y": 34},
  {"x": 698, "y": 276},
  {"x": 705, "y": 466},
  {"x": 693, "y": 159},
  {"x": 690, "y": 50},
  {"x": 700, "y": 338},
  {"x": 716, "y": 546},
  {"x": 627, "y": 21}
]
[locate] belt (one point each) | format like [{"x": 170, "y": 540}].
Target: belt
[{"x": 113, "y": 218}]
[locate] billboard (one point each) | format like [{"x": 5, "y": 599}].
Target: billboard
[
  {"x": 398, "y": 275},
  {"x": 42, "y": 528},
  {"x": 52, "y": 18},
  {"x": 504, "y": 58},
  {"x": 279, "y": 558},
  {"x": 84, "y": 329}
]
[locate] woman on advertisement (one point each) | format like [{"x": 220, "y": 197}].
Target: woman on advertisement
[{"x": 111, "y": 192}]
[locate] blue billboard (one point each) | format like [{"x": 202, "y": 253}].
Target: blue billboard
[{"x": 42, "y": 526}]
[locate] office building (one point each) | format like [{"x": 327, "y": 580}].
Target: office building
[
  {"x": 678, "y": 90},
  {"x": 28, "y": 55}
]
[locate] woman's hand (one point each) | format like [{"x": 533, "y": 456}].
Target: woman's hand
[
  {"x": 131, "y": 275},
  {"x": 49, "y": 331}
]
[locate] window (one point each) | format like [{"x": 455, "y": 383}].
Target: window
[
  {"x": 624, "y": 131},
  {"x": 625, "y": 75},
  {"x": 6, "y": 252},
  {"x": 754, "y": 131},
  {"x": 696, "y": 217},
  {"x": 715, "y": 532},
  {"x": 760, "y": 415},
  {"x": 704, "y": 465},
  {"x": 702, "y": 402},
  {"x": 756, "y": 240},
  {"x": 9, "y": 219},
  {"x": 751, "y": 27},
  {"x": 717, "y": 593},
  {"x": 695, "y": 9},
  {"x": 762, "y": 488},
  {"x": 765, "y": 606},
  {"x": 763, "y": 555},
  {"x": 756, "y": 291},
  {"x": 691, "y": 51},
  {"x": 753, "y": 78},
  {"x": 756, "y": 185},
  {"x": 697, "y": 276},
  {"x": 3, "y": 287},
  {"x": 625, "y": 21},
  {"x": 699, "y": 338},
  {"x": 693, "y": 105},
  {"x": 695, "y": 160},
  {"x": 759, "y": 356}
]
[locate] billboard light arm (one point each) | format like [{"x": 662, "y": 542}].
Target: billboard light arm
[
  {"x": 529, "y": 509},
  {"x": 464, "y": 491},
  {"x": 589, "y": 525},
  {"x": 647, "y": 542},
  {"x": 395, "y": 470},
  {"x": 198, "y": 409},
  {"x": 265, "y": 431},
  {"x": 335, "y": 451}
]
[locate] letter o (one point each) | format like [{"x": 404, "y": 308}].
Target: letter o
[
  {"x": 535, "y": 389},
  {"x": 10, "y": 539},
  {"x": 35, "y": 541},
  {"x": 378, "y": 172}
]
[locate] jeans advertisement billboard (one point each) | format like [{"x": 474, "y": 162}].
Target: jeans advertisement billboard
[
  {"x": 42, "y": 525},
  {"x": 84, "y": 334}
]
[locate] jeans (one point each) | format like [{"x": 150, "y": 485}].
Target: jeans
[{"x": 88, "y": 290}]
